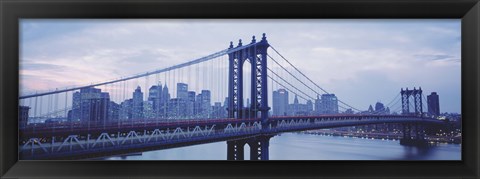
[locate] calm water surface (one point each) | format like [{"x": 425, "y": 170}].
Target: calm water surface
[{"x": 296, "y": 146}]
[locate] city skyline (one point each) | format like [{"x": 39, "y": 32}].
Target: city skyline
[
  {"x": 416, "y": 55},
  {"x": 151, "y": 85},
  {"x": 160, "y": 104}
]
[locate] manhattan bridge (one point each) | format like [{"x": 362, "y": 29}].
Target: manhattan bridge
[{"x": 105, "y": 119}]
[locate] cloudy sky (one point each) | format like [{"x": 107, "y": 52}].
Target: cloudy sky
[{"x": 361, "y": 61}]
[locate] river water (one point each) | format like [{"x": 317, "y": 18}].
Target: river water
[{"x": 298, "y": 146}]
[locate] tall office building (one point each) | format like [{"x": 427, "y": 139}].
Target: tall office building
[
  {"x": 280, "y": 102},
  {"x": 225, "y": 106},
  {"x": 206, "y": 102},
  {"x": 433, "y": 104},
  {"x": 165, "y": 94},
  {"x": 203, "y": 103},
  {"x": 125, "y": 111},
  {"x": 148, "y": 110},
  {"x": 182, "y": 91},
  {"x": 137, "y": 104},
  {"x": 309, "y": 107},
  {"x": 176, "y": 108},
  {"x": 90, "y": 105},
  {"x": 113, "y": 112},
  {"x": 295, "y": 108},
  {"x": 218, "y": 111},
  {"x": 191, "y": 103},
  {"x": 318, "y": 106},
  {"x": 191, "y": 96},
  {"x": 155, "y": 98},
  {"x": 328, "y": 104},
  {"x": 164, "y": 101},
  {"x": 180, "y": 106}
]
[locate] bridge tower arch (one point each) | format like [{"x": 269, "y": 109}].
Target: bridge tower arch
[
  {"x": 417, "y": 129},
  {"x": 406, "y": 95},
  {"x": 256, "y": 54}
]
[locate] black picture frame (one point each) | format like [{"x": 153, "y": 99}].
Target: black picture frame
[{"x": 12, "y": 10}]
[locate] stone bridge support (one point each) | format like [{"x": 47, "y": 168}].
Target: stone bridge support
[
  {"x": 413, "y": 135},
  {"x": 258, "y": 148}
]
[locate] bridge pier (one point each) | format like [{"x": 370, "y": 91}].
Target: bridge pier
[
  {"x": 235, "y": 149},
  {"x": 258, "y": 148},
  {"x": 418, "y": 140}
]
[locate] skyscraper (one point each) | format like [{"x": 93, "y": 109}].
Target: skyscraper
[
  {"x": 318, "y": 105},
  {"x": 137, "y": 103},
  {"x": 176, "y": 108},
  {"x": 295, "y": 108},
  {"x": 113, "y": 112},
  {"x": 165, "y": 94},
  {"x": 206, "y": 102},
  {"x": 433, "y": 104},
  {"x": 125, "y": 111},
  {"x": 90, "y": 105},
  {"x": 203, "y": 103},
  {"x": 328, "y": 104},
  {"x": 218, "y": 111},
  {"x": 155, "y": 98},
  {"x": 309, "y": 107},
  {"x": 191, "y": 96},
  {"x": 280, "y": 102},
  {"x": 191, "y": 103},
  {"x": 182, "y": 91},
  {"x": 148, "y": 111},
  {"x": 165, "y": 98}
]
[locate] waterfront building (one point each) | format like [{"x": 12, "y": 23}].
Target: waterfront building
[
  {"x": 280, "y": 102},
  {"x": 318, "y": 104},
  {"x": 433, "y": 104},
  {"x": 298, "y": 109},
  {"x": 309, "y": 107},
  {"x": 327, "y": 104}
]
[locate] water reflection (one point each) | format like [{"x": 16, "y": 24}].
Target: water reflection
[{"x": 294, "y": 146}]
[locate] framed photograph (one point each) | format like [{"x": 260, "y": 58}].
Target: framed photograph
[{"x": 190, "y": 89}]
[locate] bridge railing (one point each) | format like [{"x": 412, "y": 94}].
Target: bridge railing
[{"x": 75, "y": 145}]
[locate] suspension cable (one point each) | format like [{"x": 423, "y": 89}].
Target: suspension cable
[{"x": 310, "y": 79}]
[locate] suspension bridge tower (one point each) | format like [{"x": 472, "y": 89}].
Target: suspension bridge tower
[
  {"x": 413, "y": 133},
  {"x": 256, "y": 54}
]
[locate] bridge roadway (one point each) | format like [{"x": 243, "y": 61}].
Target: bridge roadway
[{"x": 79, "y": 142}]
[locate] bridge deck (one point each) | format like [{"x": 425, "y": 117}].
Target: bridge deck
[{"x": 96, "y": 142}]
